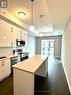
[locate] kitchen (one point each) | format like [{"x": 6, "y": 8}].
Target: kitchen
[
  {"x": 18, "y": 45},
  {"x": 10, "y": 47}
]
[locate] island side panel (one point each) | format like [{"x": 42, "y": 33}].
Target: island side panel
[
  {"x": 46, "y": 66},
  {"x": 23, "y": 82},
  {"x": 43, "y": 69}
]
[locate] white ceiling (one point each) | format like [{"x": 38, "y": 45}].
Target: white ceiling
[
  {"x": 40, "y": 8},
  {"x": 60, "y": 12},
  {"x": 56, "y": 13}
]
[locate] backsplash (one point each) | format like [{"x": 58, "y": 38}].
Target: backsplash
[
  {"x": 5, "y": 51},
  {"x": 8, "y": 51}
]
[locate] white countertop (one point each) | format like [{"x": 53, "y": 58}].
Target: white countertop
[
  {"x": 31, "y": 64},
  {"x": 9, "y": 56},
  {"x": 12, "y": 55}
]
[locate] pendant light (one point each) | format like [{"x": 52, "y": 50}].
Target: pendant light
[
  {"x": 32, "y": 26},
  {"x": 41, "y": 34}
]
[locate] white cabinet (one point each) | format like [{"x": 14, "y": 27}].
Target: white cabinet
[
  {"x": 9, "y": 33},
  {"x": 1, "y": 71},
  {"x": 5, "y": 34},
  {"x": 16, "y": 34},
  {"x": 5, "y": 68},
  {"x": 25, "y": 36}
]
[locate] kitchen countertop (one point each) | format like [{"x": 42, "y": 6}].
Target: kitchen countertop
[
  {"x": 13, "y": 55},
  {"x": 8, "y": 57},
  {"x": 31, "y": 64}
]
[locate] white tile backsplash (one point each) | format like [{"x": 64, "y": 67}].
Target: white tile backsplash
[{"x": 5, "y": 51}]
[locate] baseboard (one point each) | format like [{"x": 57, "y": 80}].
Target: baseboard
[{"x": 67, "y": 78}]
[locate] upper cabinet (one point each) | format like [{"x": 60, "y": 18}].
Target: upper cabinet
[
  {"x": 19, "y": 34},
  {"x": 9, "y": 33},
  {"x": 15, "y": 35},
  {"x": 24, "y": 36},
  {"x": 5, "y": 35}
]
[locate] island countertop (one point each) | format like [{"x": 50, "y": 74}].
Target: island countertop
[{"x": 31, "y": 64}]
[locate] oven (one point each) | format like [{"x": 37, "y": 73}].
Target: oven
[{"x": 23, "y": 55}]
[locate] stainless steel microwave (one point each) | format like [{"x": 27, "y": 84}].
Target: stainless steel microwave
[{"x": 20, "y": 42}]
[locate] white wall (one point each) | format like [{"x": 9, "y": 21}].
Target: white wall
[
  {"x": 57, "y": 44},
  {"x": 31, "y": 45},
  {"x": 5, "y": 51},
  {"x": 66, "y": 53}
]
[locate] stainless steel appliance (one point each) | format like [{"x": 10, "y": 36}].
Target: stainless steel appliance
[
  {"x": 20, "y": 42},
  {"x": 23, "y": 55},
  {"x": 14, "y": 60}
]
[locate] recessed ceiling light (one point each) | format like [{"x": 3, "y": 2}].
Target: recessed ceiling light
[
  {"x": 21, "y": 14},
  {"x": 4, "y": 37}
]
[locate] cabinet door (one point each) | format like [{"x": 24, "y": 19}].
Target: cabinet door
[
  {"x": 25, "y": 36},
  {"x": 8, "y": 35},
  {"x": 5, "y": 34},
  {"x": 6, "y": 67},
  {"x": 2, "y": 33},
  {"x": 1, "y": 71},
  {"x": 16, "y": 35}
]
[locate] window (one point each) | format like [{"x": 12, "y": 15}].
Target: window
[
  {"x": 44, "y": 47},
  {"x": 47, "y": 47}
]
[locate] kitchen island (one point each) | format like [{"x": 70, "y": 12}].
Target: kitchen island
[{"x": 25, "y": 71}]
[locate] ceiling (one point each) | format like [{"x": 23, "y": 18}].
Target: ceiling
[
  {"x": 60, "y": 12},
  {"x": 56, "y": 14}
]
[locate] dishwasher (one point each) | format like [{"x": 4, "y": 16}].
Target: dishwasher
[{"x": 14, "y": 60}]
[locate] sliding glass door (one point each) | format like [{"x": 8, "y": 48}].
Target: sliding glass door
[{"x": 47, "y": 47}]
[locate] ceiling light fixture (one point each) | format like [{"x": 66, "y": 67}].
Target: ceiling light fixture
[
  {"x": 32, "y": 26},
  {"x": 21, "y": 14}
]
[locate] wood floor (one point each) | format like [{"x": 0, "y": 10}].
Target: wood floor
[
  {"x": 54, "y": 84},
  {"x": 6, "y": 86}
]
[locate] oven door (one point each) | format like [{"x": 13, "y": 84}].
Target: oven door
[
  {"x": 23, "y": 56},
  {"x": 14, "y": 60}
]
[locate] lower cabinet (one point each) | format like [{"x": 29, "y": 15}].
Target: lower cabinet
[{"x": 5, "y": 68}]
